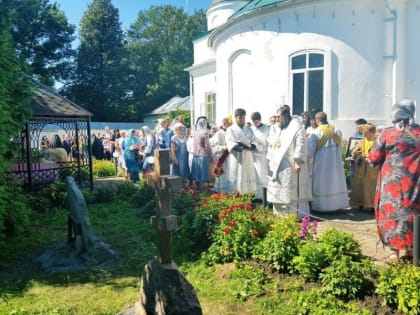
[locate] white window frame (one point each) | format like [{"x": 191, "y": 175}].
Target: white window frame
[{"x": 306, "y": 70}]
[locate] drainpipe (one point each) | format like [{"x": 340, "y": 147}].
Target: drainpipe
[
  {"x": 394, "y": 20},
  {"x": 192, "y": 108}
]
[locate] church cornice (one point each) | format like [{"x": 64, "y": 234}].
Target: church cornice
[{"x": 251, "y": 10}]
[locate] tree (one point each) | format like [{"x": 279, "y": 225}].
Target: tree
[
  {"x": 160, "y": 48},
  {"x": 14, "y": 100},
  {"x": 42, "y": 37},
  {"x": 99, "y": 84}
]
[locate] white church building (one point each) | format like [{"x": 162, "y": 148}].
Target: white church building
[{"x": 349, "y": 58}]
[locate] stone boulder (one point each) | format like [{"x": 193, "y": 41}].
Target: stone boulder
[{"x": 55, "y": 155}]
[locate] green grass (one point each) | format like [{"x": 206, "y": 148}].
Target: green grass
[{"x": 26, "y": 290}]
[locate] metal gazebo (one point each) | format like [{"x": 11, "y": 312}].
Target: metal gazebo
[{"x": 51, "y": 111}]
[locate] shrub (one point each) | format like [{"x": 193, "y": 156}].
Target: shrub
[
  {"x": 314, "y": 255},
  {"x": 14, "y": 211},
  {"x": 247, "y": 281},
  {"x": 347, "y": 279},
  {"x": 103, "y": 168},
  {"x": 399, "y": 284},
  {"x": 51, "y": 197},
  {"x": 280, "y": 245},
  {"x": 310, "y": 261},
  {"x": 236, "y": 233},
  {"x": 315, "y": 302},
  {"x": 339, "y": 243}
]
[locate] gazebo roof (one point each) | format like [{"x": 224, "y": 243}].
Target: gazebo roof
[{"x": 47, "y": 102}]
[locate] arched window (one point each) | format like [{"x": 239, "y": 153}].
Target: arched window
[
  {"x": 307, "y": 82},
  {"x": 240, "y": 80}
]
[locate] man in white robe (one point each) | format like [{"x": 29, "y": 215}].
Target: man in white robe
[
  {"x": 261, "y": 132},
  {"x": 329, "y": 187},
  {"x": 241, "y": 141},
  {"x": 288, "y": 185},
  {"x": 218, "y": 147}
]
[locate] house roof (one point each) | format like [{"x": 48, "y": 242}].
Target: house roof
[
  {"x": 173, "y": 104},
  {"x": 47, "y": 102}
]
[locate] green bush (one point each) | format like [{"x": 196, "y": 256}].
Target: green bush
[
  {"x": 315, "y": 255},
  {"x": 51, "y": 197},
  {"x": 399, "y": 284},
  {"x": 339, "y": 243},
  {"x": 14, "y": 211},
  {"x": 236, "y": 232},
  {"x": 347, "y": 279},
  {"x": 280, "y": 245},
  {"x": 315, "y": 302},
  {"x": 310, "y": 261},
  {"x": 103, "y": 168}
]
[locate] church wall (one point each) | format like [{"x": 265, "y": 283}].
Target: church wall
[
  {"x": 202, "y": 52},
  {"x": 353, "y": 38},
  {"x": 357, "y": 40},
  {"x": 412, "y": 51}
]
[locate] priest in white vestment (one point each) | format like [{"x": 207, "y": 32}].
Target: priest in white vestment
[
  {"x": 241, "y": 141},
  {"x": 261, "y": 132},
  {"x": 288, "y": 184},
  {"x": 219, "y": 147},
  {"x": 329, "y": 187}
]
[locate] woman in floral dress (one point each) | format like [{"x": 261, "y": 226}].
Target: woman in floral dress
[{"x": 397, "y": 199}]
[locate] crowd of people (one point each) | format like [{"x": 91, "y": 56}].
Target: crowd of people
[{"x": 294, "y": 163}]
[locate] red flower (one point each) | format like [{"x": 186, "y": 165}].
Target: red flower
[
  {"x": 252, "y": 217},
  {"x": 227, "y": 231},
  {"x": 255, "y": 233},
  {"x": 223, "y": 215},
  {"x": 232, "y": 223},
  {"x": 248, "y": 206},
  {"x": 205, "y": 204}
]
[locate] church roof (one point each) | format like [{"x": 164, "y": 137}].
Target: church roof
[{"x": 256, "y": 4}]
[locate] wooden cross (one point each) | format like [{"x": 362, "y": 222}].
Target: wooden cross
[{"x": 165, "y": 186}]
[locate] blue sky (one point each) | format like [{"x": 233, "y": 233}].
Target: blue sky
[{"x": 128, "y": 9}]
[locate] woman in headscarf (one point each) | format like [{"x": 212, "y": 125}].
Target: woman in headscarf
[
  {"x": 131, "y": 149},
  {"x": 148, "y": 150},
  {"x": 397, "y": 153},
  {"x": 200, "y": 168}
]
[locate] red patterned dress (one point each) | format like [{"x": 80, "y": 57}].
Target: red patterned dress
[{"x": 397, "y": 196}]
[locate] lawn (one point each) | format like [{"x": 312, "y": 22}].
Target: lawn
[{"x": 244, "y": 287}]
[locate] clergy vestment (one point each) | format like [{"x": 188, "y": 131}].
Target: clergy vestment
[
  {"x": 365, "y": 177},
  {"x": 241, "y": 164},
  {"x": 218, "y": 147},
  {"x": 287, "y": 146},
  {"x": 260, "y": 157},
  {"x": 329, "y": 187}
]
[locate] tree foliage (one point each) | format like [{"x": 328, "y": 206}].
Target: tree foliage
[
  {"x": 100, "y": 76},
  {"x": 160, "y": 48},
  {"x": 14, "y": 97},
  {"x": 43, "y": 39}
]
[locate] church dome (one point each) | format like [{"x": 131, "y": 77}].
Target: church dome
[{"x": 220, "y": 10}]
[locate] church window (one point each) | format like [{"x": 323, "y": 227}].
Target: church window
[
  {"x": 307, "y": 82},
  {"x": 211, "y": 107}
]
